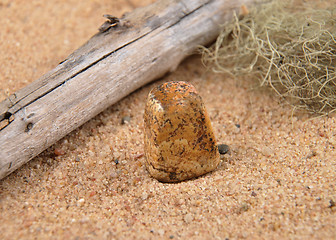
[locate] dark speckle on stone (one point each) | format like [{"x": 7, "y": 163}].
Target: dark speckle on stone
[
  {"x": 116, "y": 161},
  {"x": 223, "y": 148},
  {"x": 172, "y": 175},
  {"x": 237, "y": 125}
]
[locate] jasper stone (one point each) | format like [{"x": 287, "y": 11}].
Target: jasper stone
[{"x": 179, "y": 139}]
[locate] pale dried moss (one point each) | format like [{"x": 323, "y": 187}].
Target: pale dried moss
[{"x": 289, "y": 49}]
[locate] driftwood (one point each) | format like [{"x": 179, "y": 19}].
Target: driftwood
[{"x": 124, "y": 55}]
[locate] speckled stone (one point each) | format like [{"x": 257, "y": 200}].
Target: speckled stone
[{"x": 179, "y": 139}]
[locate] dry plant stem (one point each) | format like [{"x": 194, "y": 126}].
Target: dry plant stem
[{"x": 143, "y": 46}]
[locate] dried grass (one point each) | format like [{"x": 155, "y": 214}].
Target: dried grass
[{"x": 293, "y": 52}]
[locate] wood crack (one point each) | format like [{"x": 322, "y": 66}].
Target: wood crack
[{"x": 17, "y": 107}]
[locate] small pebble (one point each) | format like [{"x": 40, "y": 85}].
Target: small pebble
[
  {"x": 244, "y": 207},
  {"x": 161, "y": 232},
  {"x": 223, "y": 148},
  {"x": 59, "y": 152},
  {"x": 80, "y": 202},
  {"x": 188, "y": 218},
  {"x": 179, "y": 139},
  {"x": 125, "y": 119},
  {"x": 137, "y": 156}
]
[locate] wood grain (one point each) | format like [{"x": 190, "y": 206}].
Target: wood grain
[{"x": 143, "y": 46}]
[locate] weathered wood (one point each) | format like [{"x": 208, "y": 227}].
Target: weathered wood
[{"x": 143, "y": 46}]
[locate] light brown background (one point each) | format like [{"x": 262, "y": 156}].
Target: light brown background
[{"x": 277, "y": 182}]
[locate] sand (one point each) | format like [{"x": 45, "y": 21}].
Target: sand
[{"x": 278, "y": 182}]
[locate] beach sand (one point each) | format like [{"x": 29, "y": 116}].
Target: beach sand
[{"x": 277, "y": 182}]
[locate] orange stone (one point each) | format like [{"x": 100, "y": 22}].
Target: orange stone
[{"x": 179, "y": 139}]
